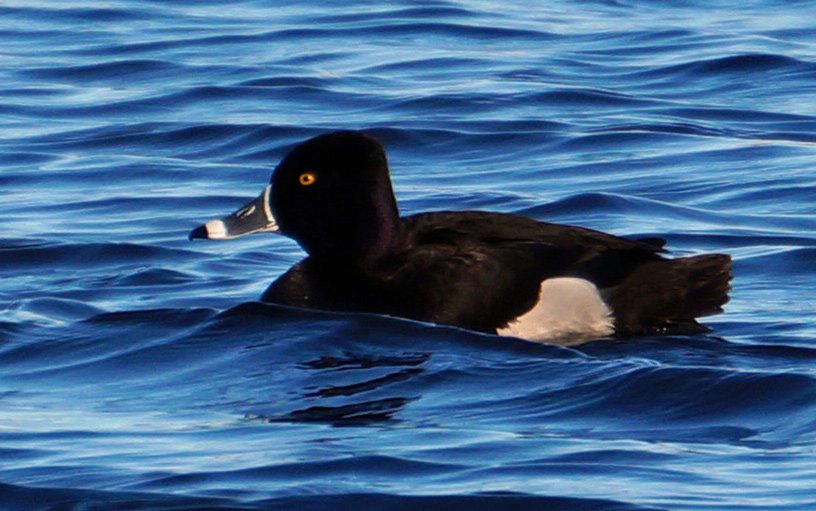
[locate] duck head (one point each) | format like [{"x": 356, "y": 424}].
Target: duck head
[{"x": 332, "y": 194}]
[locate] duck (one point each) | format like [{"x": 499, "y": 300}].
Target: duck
[{"x": 496, "y": 273}]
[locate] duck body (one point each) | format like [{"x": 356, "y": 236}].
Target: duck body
[
  {"x": 489, "y": 272},
  {"x": 485, "y": 271}
]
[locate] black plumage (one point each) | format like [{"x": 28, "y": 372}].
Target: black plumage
[{"x": 472, "y": 269}]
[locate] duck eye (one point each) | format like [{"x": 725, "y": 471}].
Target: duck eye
[{"x": 307, "y": 178}]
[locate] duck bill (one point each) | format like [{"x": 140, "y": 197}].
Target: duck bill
[{"x": 256, "y": 216}]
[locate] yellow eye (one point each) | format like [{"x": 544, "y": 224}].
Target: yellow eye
[{"x": 307, "y": 178}]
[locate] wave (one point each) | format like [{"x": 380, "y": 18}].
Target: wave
[
  {"x": 76, "y": 13},
  {"x": 131, "y": 69},
  {"x": 31, "y": 254},
  {"x": 21, "y": 498},
  {"x": 349, "y": 376},
  {"x": 741, "y": 65}
]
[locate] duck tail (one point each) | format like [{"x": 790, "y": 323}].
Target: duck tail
[
  {"x": 667, "y": 295},
  {"x": 709, "y": 282}
]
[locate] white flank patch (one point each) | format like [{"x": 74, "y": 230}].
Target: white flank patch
[
  {"x": 216, "y": 230},
  {"x": 569, "y": 310}
]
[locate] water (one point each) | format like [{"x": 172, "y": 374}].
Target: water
[{"x": 137, "y": 373}]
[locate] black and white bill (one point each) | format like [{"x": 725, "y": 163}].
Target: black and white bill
[{"x": 256, "y": 216}]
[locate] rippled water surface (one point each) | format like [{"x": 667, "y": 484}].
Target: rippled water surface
[{"x": 137, "y": 372}]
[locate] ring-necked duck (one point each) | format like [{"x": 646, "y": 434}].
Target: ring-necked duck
[{"x": 490, "y": 272}]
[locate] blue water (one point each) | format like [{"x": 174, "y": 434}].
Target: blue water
[{"x": 136, "y": 372}]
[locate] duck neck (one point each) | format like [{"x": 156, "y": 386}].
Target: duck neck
[
  {"x": 366, "y": 235},
  {"x": 385, "y": 233}
]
